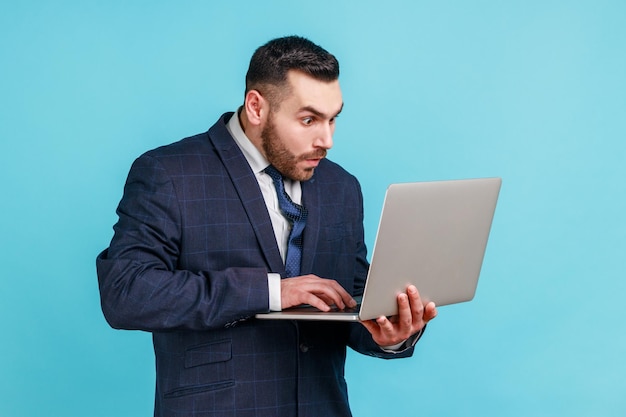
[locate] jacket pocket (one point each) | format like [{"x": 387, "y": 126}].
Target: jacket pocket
[
  {"x": 205, "y": 368},
  {"x": 219, "y": 351},
  {"x": 198, "y": 389}
]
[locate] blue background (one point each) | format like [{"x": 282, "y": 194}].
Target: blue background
[{"x": 532, "y": 91}]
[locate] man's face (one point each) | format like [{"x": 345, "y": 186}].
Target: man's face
[{"x": 298, "y": 134}]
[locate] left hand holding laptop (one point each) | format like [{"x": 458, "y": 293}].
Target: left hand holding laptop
[{"x": 412, "y": 316}]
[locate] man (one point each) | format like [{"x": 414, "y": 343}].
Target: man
[{"x": 202, "y": 243}]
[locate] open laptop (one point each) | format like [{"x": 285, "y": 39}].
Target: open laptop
[{"x": 432, "y": 235}]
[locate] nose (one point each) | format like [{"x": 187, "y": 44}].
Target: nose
[{"x": 325, "y": 136}]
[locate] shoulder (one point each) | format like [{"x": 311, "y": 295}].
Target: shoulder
[
  {"x": 192, "y": 150},
  {"x": 191, "y": 145}
]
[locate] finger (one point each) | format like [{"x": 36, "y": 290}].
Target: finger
[
  {"x": 417, "y": 306},
  {"x": 325, "y": 289},
  {"x": 316, "y": 302},
  {"x": 330, "y": 292},
  {"x": 405, "y": 313},
  {"x": 333, "y": 293},
  {"x": 326, "y": 299},
  {"x": 381, "y": 329},
  {"x": 345, "y": 298},
  {"x": 385, "y": 325},
  {"x": 430, "y": 311}
]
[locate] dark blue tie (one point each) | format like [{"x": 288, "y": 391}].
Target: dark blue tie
[{"x": 296, "y": 214}]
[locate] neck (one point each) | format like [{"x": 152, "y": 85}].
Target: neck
[{"x": 252, "y": 132}]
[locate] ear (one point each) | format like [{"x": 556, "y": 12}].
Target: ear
[{"x": 256, "y": 107}]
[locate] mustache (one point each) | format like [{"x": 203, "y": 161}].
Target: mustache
[{"x": 317, "y": 154}]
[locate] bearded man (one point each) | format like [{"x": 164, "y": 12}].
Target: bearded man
[{"x": 203, "y": 243}]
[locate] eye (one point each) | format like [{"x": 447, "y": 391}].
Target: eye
[{"x": 307, "y": 121}]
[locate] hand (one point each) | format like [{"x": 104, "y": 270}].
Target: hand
[
  {"x": 412, "y": 317},
  {"x": 318, "y": 292}
]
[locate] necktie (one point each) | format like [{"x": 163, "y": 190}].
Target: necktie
[{"x": 296, "y": 214}]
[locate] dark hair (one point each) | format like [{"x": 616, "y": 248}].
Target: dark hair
[{"x": 271, "y": 62}]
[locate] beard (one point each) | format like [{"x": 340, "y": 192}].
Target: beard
[{"x": 282, "y": 158}]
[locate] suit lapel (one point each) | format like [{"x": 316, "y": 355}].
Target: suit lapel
[{"x": 249, "y": 193}]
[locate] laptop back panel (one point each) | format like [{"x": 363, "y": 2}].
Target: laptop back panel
[{"x": 432, "y": 235}]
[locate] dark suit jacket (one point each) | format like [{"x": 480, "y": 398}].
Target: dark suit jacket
[{"x": 189, "y": 262}]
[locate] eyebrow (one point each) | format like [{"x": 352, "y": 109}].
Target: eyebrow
[{"x": 320, "y": 114}]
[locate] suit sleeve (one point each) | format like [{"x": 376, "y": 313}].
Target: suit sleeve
[{"x": 140, "y": 284}]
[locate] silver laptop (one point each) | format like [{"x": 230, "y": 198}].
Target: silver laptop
[{"x": 432, "y": 235}]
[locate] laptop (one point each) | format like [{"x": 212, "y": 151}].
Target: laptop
[{"x": 432, "y": 235}]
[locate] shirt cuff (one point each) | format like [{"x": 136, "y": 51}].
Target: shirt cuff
[
  {"x": 402, "y": 346},
  {"x": 273, "y": 283}
]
